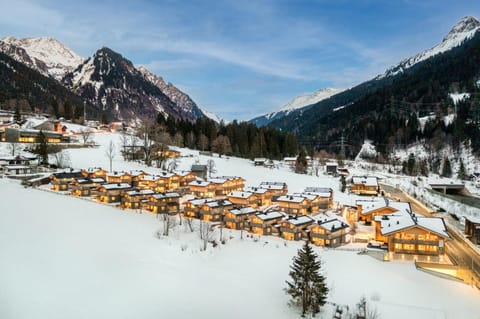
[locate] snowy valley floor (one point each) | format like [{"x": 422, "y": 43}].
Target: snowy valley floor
[{"x": 63, "y": 257}]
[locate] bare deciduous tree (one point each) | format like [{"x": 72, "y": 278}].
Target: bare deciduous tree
[
  {"x": 188, "y": 222},
  {"x": 202, "y": 142},
  {"x": 221, "y": 145},
  {"x": 110, "y": 153},
  {"x": 206, "y": 234},
  {"x": 62, "y": 159},
  {"x": 85, "y": 135},
  {"x": 13, "y": 148},
  {"x": 168, "y": 222},
  {"x": 211, "y": 167}
]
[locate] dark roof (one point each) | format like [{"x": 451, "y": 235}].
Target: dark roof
[
  {"x": 198, "y": 168},
  {"x": 75, "y": 174}
]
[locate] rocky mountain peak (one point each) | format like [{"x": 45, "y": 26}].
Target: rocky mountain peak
[{"x": 466, "y": 24}]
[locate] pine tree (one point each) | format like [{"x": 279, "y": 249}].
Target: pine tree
[
  {"x": 307, "y": 287},
  {"x": 447, "y": 168},
  {"x": 301, "y": 164},
  {"x": 343, "y": 183},
  {"x": 461, "y": 171},
  {"x": 17, "y": 116}
]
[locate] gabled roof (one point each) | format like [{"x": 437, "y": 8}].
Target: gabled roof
[
  {"x": 321, "y": 191},
  {"x": 116, "y": 186},
  {"x": 403, "y": 220},
  {"x": 166, "y": 195},
  {"x": 218, "y": 203},
  {"x": 117, "y": 173},
  {"x": 365, "y": 180},
  {"x": 291, "y": 199},
  {"x": 201, "y": 201},
  {"x": 140, "y": 192},
  {"x": 239, "y": 194},
  {"x": 199, "y": 168},
  {"x": 199, "y": 183},
  {"x": 68, "y": 174},
  {"x": 255, "y": 190},
  {"x": 265, "y": 216},
  {"x": 299, "y": 220},
  {"x": 243, "y": 211}
]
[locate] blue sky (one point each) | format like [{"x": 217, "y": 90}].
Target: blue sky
[{"x": 240, "y": 59}]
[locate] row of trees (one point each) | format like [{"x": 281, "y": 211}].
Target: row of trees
[{"x": 236, "y": 138}]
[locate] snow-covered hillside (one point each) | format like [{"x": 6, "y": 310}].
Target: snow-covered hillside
[
  {"x": 57, "y": 59},
  {"x": 462, "y": 31},
  {"x": 296, "y": 103}
]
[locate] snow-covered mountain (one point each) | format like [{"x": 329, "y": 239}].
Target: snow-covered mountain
[
  {"x": 462, "y": 31},
  {"x": 46, "y": 55},
  {"x": 295, "y": 104},
  {"x": 182, "y": 100}
]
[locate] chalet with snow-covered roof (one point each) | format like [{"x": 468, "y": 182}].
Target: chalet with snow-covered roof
[
  {"x": 192, "y": 207},
  {"x": 294, "y": 205},
  {"x": 238, "y": 218},
  {"x": 137, "y": 176},
  {"x": 368, "y": 209},
  {"x": 227, "y": 184},
  {"x": 242, "y": 198},
  {"x": 164, "y": 203},
  {"x": 472, "y": 229},
  {"x": 17, "y": 170},
  {"x": 266, "y": 223},
  {"x": 331, "y": 168},
  {"x": 186, "y": 177},
  {"x": 295, "y": 227},
  {"x": 20, "y": 135},
  {"x": 202, "y": 189},
  {"x": 277, "y": 189},
  {"x": 112, "y": 192},
  {"x": 328, "y": 230},
  {"x": 134, "y": 199},
  {"x": 213, "y": 211},
  {"x": 200, "y": 170},
  {"x": 61, "y": 181},
  {"x": 264, "y": 196},
  {"x": 364, "y": 185},
  {"x": 94, "y": 172},
  {"x": 172, "y": 180},
  {"x": 407, "y": 233},
  {"x": 324, "y": 199},
  {"x": 259, "y": 161},
  {"x": 119, "y": 177},
  {"x": 153, "y": 182},
  {"x": 86, "y": 186}
]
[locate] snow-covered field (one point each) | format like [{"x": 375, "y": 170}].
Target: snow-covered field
[{"x": 64, "y": 257}]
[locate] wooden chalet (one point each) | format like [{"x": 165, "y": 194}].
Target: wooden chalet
[
  {"x": 259, "y": 161},
  {"x": 238, "y": 218},
  {"x": 17, "y": 170},
  {"x": 94, "y": 172},
  {"x": 264, "y": 196},
  {"x": 153, "y": 182},
  {"x": 171, "y": 180},
  {"x": 186, "y": 177},
  {"x": 324, "y": 199},
  {"x": 61, "y": 181},
  {"x": 243, "y": 199},
  {"x": 227, "y": 184},
  {"x": 119, "y": 177},
  {"x": 294, "y": 205},
  {"x": 213, "y": 211},
  {"x": 364, "y": 185},
  {"x": 164, "y": 203},
  {"x": 86, "y": 186},
  {"x": 407, "y": 233},
  {"x": 134, "y": 199},
  {"x": 328, "y": 230},
  {"x": 112, "y": 192},
  {"x": 472, "y": 229},
  {"x": 368, "y": 209},
  {"x": 266, "y": 223},
  {"x": 277, "y": 189},
  {"x": 295, "y": 227},
  {"x": 200, "y": 171},
  {"x": 192, "y": 207},
  {"x": 136, "y": 177},
  {"x": 202, "y": 189}
]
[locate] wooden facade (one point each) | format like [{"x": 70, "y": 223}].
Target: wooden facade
[
  {"x": 94, "y": 172},
  {"x": 62, "y": 181},
  {"x": 294, "y": 205},
  {"x": 86, "y": 186},
  {"x": 328, "y": 232},
  {"x": 368, "y": 209},
  {"x": 213, "y": 211},
  {"x": 153, "y": 182},
  {"x": 243, "y": 199},
  {"x": 192, "y": 207},
  {"x": 276, "y": 189},
  {"x": 265, "y": 223},
  {"x": 164, "y": 203},
  {"x": 202, "y": 189},
  {"x": 238, "y": 218},
  {"x": 112, "y": 192},
  {"x": 134, "y": 199},
  {"x": 472, "y": 229},
  {"x": 119, "y": 177},
  {"x": 295, "y": 227},
  {"x": 406, "y": 233},
  {"x": 364, "y": 185}
]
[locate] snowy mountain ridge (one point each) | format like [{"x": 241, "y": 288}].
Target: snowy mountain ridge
[
  {"x": 296, "y": 103},
  {"x": 44, "y": 54},
  {"x": 464, "y": 30}
]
